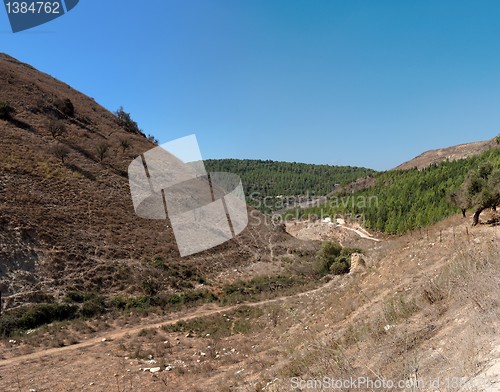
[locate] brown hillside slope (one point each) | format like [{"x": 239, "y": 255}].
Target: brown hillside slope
[
  {"x": 424, "y": 307},
  {"x": 72, "y": 225},
  {"x": 453, "y": 153}
]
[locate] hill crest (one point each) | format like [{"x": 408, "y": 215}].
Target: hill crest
[{"x": 453, "y": 153}]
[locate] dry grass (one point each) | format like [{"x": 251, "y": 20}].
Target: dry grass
[{"x": 406, "y": 336}]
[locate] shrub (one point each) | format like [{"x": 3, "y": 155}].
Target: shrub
[
  {"x": 92, "y": 303},
  {"x": 60, "y": 151},
  {"x": 56, "y": 128},
  {"x": 259, "y": 284},
  {"x": 101, "y": 151},
  {"x": 5, "y": 111},
  {"x": 77, "y": 296},
  {"x": 93, "y": 307},
  {"x": 138, "y": 303},
  {"x": 152, "y": 139},
  {"x": 34, "y": 316},
  {"x": 125, "y": 144},
  {"x": 150, "y": 286},
  {"x": 340, "y": 266},
  {"x": 125, "y": 120},
  {"x": 328, "y": 255},
  {"x": 158, "y": 262},
  {"x": 334, "y": 259},
  {"x": 65, "y": 106},
  {"x": 118, "y": 302}
]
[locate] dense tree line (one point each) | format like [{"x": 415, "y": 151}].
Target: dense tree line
[
  {"x": 412, "y": 199},
  {"x": 271, "y": 178}
]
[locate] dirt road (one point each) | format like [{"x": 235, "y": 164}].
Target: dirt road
[{"x": 117, "y": 334}]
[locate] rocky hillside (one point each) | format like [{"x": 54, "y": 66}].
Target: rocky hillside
[
  {"x": 66, "y": 216},
  {"x": 453, "y": 153}
]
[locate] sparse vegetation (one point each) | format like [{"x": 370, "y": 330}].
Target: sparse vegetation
[
  {"x": 125, "y": 144},
  {"x": 5, "y": 111},
  {"x": 102, "y": 151},
  {"x": 152, "y": 139},
  {"x": 65, "y": 106},
  {"x": 57, "y": 128},
  {"x": 264, "y": 287},
  {"x": 126, "y": 121},
  {"x": 60, "y": 151},
  {"x": 242, "y": 320}
]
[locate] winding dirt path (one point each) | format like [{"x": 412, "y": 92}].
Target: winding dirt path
[
  {"x": 117, "y": 334},
  {"x": 361, "y": 234}
]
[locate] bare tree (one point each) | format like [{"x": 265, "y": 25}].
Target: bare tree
[
  {"x": 102, "y": 151},
  {"x": 60, "y": 151},
  {"x": 56, "y": 128}
]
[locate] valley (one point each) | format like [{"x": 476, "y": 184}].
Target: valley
[{"x": 399, "y": 288}]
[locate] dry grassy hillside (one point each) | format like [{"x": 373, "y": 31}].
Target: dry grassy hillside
[
  {"x": 72, "y": 225},
  {"x": 461, "y": 151},
  {"x": 422, "y": 308}
]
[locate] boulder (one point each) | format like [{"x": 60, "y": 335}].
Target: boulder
[{"x": 358, "y": 264}]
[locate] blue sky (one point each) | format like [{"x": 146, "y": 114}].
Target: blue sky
[{"x": 357, "y": 82}]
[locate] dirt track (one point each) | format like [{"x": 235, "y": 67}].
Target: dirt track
[{"x": 113, "y": 335}]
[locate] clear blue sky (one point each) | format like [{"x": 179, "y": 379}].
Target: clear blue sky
[{"x": 351, "y": 82}]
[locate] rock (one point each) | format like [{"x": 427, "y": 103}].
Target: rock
[
  {"x": 155, "y": 370},
  {"x": 358, "y": 264},
  {"x": 169, "y": 368}
]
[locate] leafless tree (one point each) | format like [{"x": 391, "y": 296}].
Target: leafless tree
[
  {"x": 102, "y": 150},
  {"x": 60, "y": 151}
]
